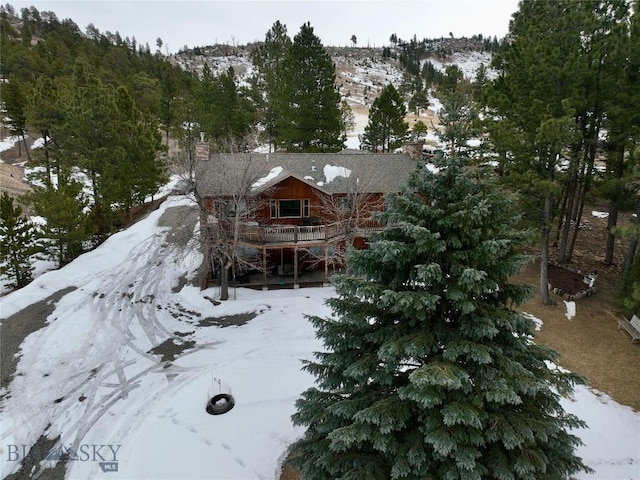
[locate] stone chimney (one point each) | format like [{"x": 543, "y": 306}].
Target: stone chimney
[{"x": 202, "y": 150}]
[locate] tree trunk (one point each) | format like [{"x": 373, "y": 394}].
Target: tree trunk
[
  {"x": 47, "y": 162},
  {"x": 26, "y": 147},
  {"x": 612, "y": 221},
  {"x": 584, "y": 185},
  {"x": 633, "y": 245},
  {"x": 568, "y": 217},
  {"x": 206, "y": 273},
  {"x": 576, "y": 228},
  {"x": 544, "y": 252},
  {"x": 561, "y": 216},
  {"x": 224, "y": 281}
]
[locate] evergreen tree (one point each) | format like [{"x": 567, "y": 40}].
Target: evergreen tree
[
  {"x": 620, "y": 49},
  {"x": 386, "y": 129},
  {"x": 14, "y": 106},
  {"x": 348, "y": 117},
  {"x": 428, "y": 371},
  {"x": 67, "y": 224},
  {"x": 533, "y": 102},
  {"x": 226, "y": 110},
  {"x": 141, "y": 172},
  {"x": 45, "y": 113},
  {"x": 311, "y": 118},
  {"x": 419, "y": 130},
  {"x": 169, "y": 99},
  {"x": 113, "y": 143},
  {"x": 458, "y": 114},
  {"x": 18, "y": 242},
  {"x": 269, "y": 59},
  {"x": 418, "y": 102}
]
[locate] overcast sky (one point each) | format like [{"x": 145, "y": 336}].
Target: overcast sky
[{"x": 200, "y": 23}]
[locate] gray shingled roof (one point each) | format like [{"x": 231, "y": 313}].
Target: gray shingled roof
[{"x": 329, "y": 172}]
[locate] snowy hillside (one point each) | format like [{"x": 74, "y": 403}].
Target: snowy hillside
[
  {"x": 361, "y": 73},
  {"x": 468, "y": 62}
]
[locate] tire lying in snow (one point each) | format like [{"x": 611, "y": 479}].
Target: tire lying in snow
[{"x": 219, "y": 404}]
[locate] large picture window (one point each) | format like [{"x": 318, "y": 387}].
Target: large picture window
[{"x": 289, "y": 208}]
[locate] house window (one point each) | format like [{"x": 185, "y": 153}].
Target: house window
[
  {"x": 273, "y": 209},
  {"x": 344, "y": 203},
  {"x": 305, "y": 208},
  {"x": 289, "y": 208}
]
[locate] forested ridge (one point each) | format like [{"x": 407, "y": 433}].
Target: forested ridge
[{"x": 557, "y": 114}]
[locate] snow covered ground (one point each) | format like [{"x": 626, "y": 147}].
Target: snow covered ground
[{"x": 127, "y": 361}]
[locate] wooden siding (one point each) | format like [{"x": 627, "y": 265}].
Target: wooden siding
[{"x": 291, "y": 189}]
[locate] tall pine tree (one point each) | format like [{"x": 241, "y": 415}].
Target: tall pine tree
[
  {"x": 386, "y": 129},
  {"x": 533, "y": 102},
  {"x": 429, "y": 371},
  {"x": 268, "y": 58},
  {"x": 311, "y": 119},
  {"x": 458, "y": 115}
]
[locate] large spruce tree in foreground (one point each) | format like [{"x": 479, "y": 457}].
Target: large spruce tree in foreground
[{"x": 429, "y": 372}]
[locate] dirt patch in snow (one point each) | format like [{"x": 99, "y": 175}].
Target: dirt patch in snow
[
  {"x": 228, "y": 320},
  {"x": 169, "y": 349}
]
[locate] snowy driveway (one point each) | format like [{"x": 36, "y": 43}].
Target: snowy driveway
[{"x": 120, "y": 376}]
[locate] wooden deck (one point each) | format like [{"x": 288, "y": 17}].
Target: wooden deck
[{"x": 282, "y": 235}]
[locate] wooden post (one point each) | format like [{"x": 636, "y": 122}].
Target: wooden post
[
  {"x": 295, "y": 267},
  {"x": 326, "y": 263},
  {"x": 264, "y": 268}
]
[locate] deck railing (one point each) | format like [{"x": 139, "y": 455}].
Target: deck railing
[{"x": 275, "y": 234}]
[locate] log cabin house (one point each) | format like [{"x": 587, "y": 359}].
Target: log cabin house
[{"x": 302, "y": 209}]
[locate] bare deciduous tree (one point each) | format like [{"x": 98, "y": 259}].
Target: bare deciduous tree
[
  {"x": 229, "y": 203},
  {"x": 352, "y": 210}
]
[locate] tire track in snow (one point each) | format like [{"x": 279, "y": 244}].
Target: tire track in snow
[{"x": 124, "y": 305}]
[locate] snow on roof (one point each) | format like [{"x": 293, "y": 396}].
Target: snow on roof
[
  {"x": 333, "y": 171},
  {"x": 432, "y": 168},
  {"x": 273, "y": 173}
]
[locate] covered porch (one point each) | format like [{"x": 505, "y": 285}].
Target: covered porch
[{"x": 294, "y": 256}]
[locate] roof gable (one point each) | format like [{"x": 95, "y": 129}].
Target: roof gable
[{"x": 272, "y": 182}]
